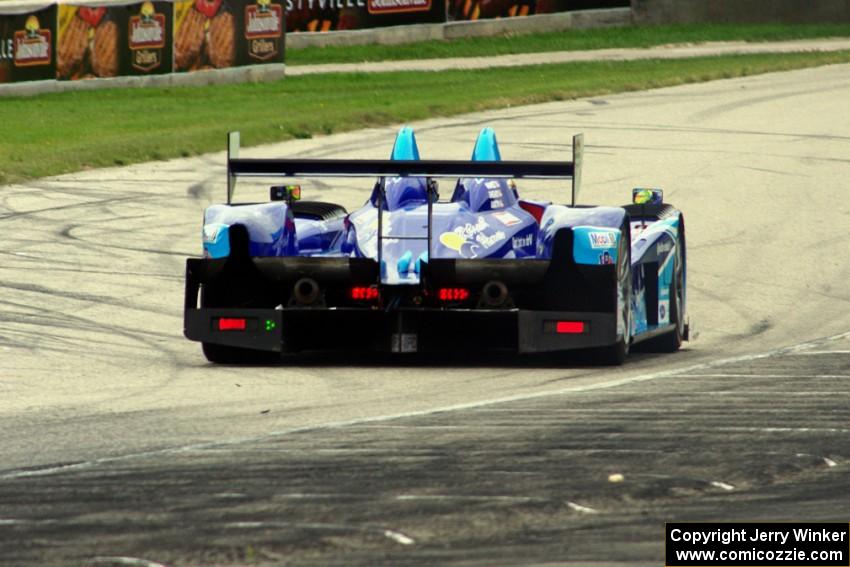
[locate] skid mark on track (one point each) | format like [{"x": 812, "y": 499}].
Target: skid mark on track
[
  {"x": 719, "y": 109},
  {"x": 641, "y": 378}
]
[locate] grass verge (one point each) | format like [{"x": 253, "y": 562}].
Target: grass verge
[
  {"x": 66, "y": 132},
  {"x": 573, "y": 40}
]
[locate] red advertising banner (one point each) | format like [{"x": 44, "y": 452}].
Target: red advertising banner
[
  {"x": 332, "y": 15},
  {"x": 484, "y": 9}
]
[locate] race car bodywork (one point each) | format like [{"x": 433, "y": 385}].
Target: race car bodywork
[{"x": 407, "y": 272}]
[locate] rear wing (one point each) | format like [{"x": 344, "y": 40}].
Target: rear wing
[{"x": 242, "y": 167}]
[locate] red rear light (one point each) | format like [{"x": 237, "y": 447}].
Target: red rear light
[
  {"x": 453, "y": 294},
  {"x": 232, "y": 324},
  {"x": 569, "y": 327},
  {"x": 363, "y": 293}
]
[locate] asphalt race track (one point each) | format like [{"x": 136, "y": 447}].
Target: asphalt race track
[{"x": 121, "y": 445}]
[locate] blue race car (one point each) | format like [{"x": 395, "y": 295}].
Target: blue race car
[{"x": 408, "y": 272}]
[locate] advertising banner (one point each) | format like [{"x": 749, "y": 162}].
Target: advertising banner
[
  {"x": 215, "y": 34},
  {"x": 333, "y": 15},
  {"x": 149, "y": 39},
  {"x": 264, "y": 28},
  {"x": 28, "y": 45},
  {"x": 483, "y": 9},
  {"x": 91, "y": 41}
]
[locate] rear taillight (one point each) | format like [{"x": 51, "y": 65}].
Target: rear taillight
[
  {"x": 566, "y": 327},
  {"x": 569, "y": 327},
  {"x": 364, "y": 293},
  {"x": 232, "y": 324},
  {"x": 452, "y": 294}
]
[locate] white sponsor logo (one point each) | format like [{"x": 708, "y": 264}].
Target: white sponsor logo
[
  {"x": 523, "y": 241},
  {"x": 263, "y": 23},
  {"x": 146, "y": 34},
  {"x": 488, "y": 241},
  {"x": 506, "y": 218},
  {"x": 469, "y": 229},
  {"x": 38, "y": 50},
  {"x": 463, "y": 237},
  {"x": 603, "y": 239}
]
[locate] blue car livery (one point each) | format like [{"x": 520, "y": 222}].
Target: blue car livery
[{"x": 409, "y": 272}]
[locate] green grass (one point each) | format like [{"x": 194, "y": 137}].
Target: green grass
[
  {"x": 573, "y": 40},
  {"x": 65, "y": 132}
]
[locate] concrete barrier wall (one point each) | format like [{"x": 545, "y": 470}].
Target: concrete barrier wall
[
  {"x": 453, "y": 30},
  {"x": 740, "y": 11}
]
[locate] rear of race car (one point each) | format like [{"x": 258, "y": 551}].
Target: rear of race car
[
  {"x": 564, "y": 285},
  {"x": 294, "y": 304}
]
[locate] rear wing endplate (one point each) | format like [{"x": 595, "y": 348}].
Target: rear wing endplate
[{"x": 246, "y": 167}]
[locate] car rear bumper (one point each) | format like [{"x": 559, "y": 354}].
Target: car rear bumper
[{"x": 402, "y": 330}]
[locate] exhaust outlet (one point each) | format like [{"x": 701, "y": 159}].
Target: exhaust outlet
[
  {"x": 305, "y": 291},
  {"x": 494, "y": 294}
]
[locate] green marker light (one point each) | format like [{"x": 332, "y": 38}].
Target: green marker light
[{"x": 270, "y": 325}]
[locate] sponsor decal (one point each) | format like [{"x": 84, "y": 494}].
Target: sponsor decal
[
  {"x": 459, "y": 244},
  {"x": 605, "y": 259},
  {"x": 492, "y": 185},
  {"x": 523, "y": 241},
  {"x": 469, "y": 230},
  {"x": 602, "y": 239},
  {"x": 506, "y": 218},
  {"x": 663, "y": 247},
  {"x": 32, "y": 44},
  {"x": 146, "y": 38},
  {"x": 663, "y": 311},
  {"x": 470, "y": 238},
  {"x": 495, "y": 193},
  {"x": 488, "y": 241},
  {"x": 263, "y": 29},
  {"x": 397, "y": 6}
]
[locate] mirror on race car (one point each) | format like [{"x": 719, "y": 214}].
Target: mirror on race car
[
  {"x": 641, "y": 196},
  {"x": 285, "y": 193}
]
